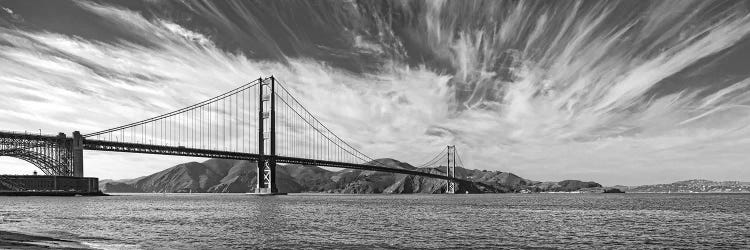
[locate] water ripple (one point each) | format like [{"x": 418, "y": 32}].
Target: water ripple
[{"x": 388, "y": 221}]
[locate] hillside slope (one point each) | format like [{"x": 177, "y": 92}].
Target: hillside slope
[{"x": 234, "y": 176}]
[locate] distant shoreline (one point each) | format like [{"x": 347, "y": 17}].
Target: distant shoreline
[
  {"x": 49, "y": 193},
  {"x": 326, "y": 193},
  {"x": 16, "y": 240},
  {"x": 688, "y": 192}
]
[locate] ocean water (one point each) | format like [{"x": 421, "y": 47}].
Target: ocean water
[{"x": 216, "y": 221}]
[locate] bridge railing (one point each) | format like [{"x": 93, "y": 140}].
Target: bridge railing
[{"x": 27, "y": 133}]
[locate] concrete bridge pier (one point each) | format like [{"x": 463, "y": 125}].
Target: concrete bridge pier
[{"x": 77, "y": 150}]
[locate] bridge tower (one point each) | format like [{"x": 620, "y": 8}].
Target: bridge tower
[
  {"x": 450, "y": 170},
  {"x": 266, "y": 172}
]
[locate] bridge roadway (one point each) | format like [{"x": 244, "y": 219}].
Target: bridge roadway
[{"x": 99, "y": 145}]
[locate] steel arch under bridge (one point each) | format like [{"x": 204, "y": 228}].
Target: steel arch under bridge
[{"x": 54, "y": 155}]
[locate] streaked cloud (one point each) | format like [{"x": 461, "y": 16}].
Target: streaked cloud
[{"x": 585, "y": 108}]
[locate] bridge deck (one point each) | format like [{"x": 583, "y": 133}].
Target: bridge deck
[{"x": 184, "y": 151}]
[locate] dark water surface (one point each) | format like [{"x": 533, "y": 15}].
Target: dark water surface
[{"x": 387, "y": 221}]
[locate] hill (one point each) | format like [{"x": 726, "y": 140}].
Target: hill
[
  {"x": 693, "y": 186},
  {"x": 234, "y": 176}
]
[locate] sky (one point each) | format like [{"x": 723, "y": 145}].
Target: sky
[{"x": 618, "y": 92}]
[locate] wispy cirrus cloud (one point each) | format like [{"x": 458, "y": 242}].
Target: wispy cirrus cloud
[
  {"x": 585, "y": 109},
  {"x": 58, "y": 82}
]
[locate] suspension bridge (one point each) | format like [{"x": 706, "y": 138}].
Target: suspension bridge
[{"x": 259, "y": 121}]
